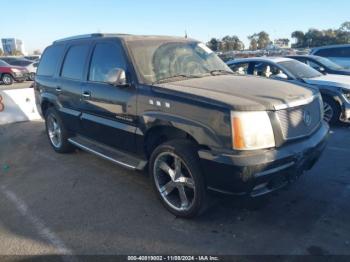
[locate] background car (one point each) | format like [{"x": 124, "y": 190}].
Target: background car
[
  {"x": 31, "y": 66},
  {"x": 339, "y": 54},
  {"x": 32, "y": 57},
  {"x": 335, "y": 89},
  {"x": 321, "y": 64},
  {"x": 9, "y": 73}
]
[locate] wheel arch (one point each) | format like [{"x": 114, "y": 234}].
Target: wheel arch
[{"x": 160, "y": 127}]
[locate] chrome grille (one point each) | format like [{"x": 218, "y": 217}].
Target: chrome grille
[{"x": 300, "y": 121}]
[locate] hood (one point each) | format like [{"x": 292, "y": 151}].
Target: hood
[
  {"x": 242, "y": 93},
  {"x": 330, "y": 80}
]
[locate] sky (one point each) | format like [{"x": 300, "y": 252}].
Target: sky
[{"x": 38, "y": 23}]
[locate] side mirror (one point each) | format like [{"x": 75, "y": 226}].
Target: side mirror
[
  {"x": 117, "y": 77},
  {"x": 322, "y": 70}
]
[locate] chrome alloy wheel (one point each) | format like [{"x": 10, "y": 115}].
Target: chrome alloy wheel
[
  {"x": 54, "y": 131},
  {"x": 174, "y": 181},
  {"x": 328, "y": 112},
  {"x": 6, "y": 79}
]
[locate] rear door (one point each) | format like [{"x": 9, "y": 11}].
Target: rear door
[
  {"x": 69, "y": 86},
  {"x": 109, "y": 111}
]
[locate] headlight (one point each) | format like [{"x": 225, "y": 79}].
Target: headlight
[
  {"x": 15, "y": 70},
  {"x": 251, "y": 130},
  {"x": 346, "y": 93}
]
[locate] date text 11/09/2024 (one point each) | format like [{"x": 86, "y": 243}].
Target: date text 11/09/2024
[{"x": 173, "y": 258}]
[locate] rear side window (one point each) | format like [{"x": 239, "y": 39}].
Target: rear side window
[
  {"x": 73, "y": 65},
  {"x": 106, "y": 58},
  {"x": 49, "y": 60},
  {"x": 334, "y": 52}
]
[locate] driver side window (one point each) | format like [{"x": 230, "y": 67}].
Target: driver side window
[
  {"x": 107, "y": 57},
  {"x": 313, "y": 65}
]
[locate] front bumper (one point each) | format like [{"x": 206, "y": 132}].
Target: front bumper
[
  {"x": 20, "y": 76},
  {"x": 260, "y": 172}
]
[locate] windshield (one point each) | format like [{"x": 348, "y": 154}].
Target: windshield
[
  {"x": 328, "y": 63},
  {"x": 165, "y": 61},
  {"x": 3, "y": 63},
  {"x": 300, "y": 70}
]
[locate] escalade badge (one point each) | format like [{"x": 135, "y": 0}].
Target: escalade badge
[{"x": 307, "y": 118}]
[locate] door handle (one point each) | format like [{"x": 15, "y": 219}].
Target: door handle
[
  {"x": 58, "y": 89},
  {"x": 86, "y": 94}
]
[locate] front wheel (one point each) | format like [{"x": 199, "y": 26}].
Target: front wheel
[
  {"x": 7, "y": 79},
  {"x": 177, "y": 178},
  {"x": 331, "y": 110},
  {"x": 31, "y": 76}
]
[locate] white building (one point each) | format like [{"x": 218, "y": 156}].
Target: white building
[{"x": 9, "y": 45}]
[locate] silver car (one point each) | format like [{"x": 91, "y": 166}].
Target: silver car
[{"x": 335, "y": 89}]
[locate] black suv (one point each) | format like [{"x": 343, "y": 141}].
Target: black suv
[{"x": 171, "y": 105}]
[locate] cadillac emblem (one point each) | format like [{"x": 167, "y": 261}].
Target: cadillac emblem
[{"x": 307, "y": 118}]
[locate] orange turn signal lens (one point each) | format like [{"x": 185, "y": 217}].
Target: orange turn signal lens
[{"x": 238, "y": 139}]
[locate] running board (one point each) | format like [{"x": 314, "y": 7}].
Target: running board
[{"x": 108, "y": 153}]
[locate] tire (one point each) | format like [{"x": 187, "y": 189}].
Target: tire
[
  {"x": 173, "y": 184},
  {"x": 56, "y": 132},
  {"x": 7, "y": 79},
  {"x": 31, "y": 77},
  {"x": 331, "y": 111}
]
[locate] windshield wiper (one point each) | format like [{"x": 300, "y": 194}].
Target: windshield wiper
[
  {"x": 175, "y": 76},
  {"x": 217, "y": 71}
]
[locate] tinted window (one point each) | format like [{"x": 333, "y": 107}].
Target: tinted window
[
  {"x": 3, "y": 63},
  {"x": 74, "y": 62},
  {"x": 106, "y": 58},
  {"x": 49, "y": 60},
  {"x": 21, "y": 63},
  {"x": 334, "y": 52}
]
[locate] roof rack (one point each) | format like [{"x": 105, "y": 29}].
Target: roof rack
[{"x": 77, "y": 37}]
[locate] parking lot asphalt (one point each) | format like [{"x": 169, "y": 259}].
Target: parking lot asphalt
[
  {"x": 80, "y": 204},
  {"x": 15, "y": 85}
]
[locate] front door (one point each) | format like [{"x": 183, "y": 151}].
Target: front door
[{"x": 108, "y": 111}]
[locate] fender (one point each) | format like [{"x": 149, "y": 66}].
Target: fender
[
  {"x": 204, "y": 135},
  {"x": 329, "y": 91}
]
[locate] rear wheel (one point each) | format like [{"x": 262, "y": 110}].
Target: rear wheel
[
  {"x": 177, "y": 178},
  {"x": 331, "y": 110},
  {"x": 7, "y": 79},
  {"x": 56, "y": 132}
]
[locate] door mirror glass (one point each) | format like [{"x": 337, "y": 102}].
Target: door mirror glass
[
  {"x": 117, "y": 77},
  {"x": 322, "y": 70}
]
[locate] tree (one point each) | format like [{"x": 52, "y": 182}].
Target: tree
[
  {"x": 300, "y": 38},
  {"x": 227, "y": 43},
  {"x": 231, "y": 43},
  {"x": 214, "y": 44},
  {"x": 282, "y": 42},
  {"x": 314, "y": 37},
  {"x": 262, "y": 40},
  {"x": 1, "y": 52},
  {"x": 253, "y": 44},
  {"x": 345, "y": 26}
]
